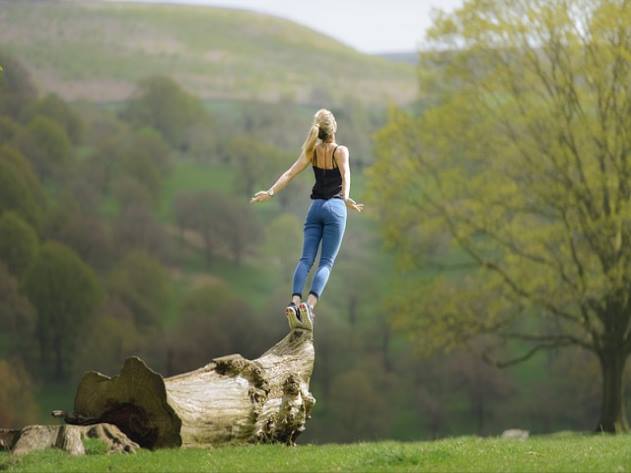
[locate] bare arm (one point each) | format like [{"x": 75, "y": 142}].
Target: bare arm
[
  {"x": 301, "y": 163},
  {"x": 342, "y": 159}
]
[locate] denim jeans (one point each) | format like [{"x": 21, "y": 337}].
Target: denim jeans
[{"x": 325, "y": 222}]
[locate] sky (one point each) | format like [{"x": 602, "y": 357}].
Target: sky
[{"x": 371, "y": 26}]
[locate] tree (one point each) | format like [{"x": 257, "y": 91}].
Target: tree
[
  {"x": 136, "y": 228},
  {"x": 239, "y": 229},
  {"x": 509, "y": 196},
  {"x": 9, "y": 129},
  {"x": 17, "y": 405},
  {"x": 145, "y": 158},
  {"x": 484, "y": 385},
  {"x": 359, "y": 410},
  {"x": 258, "y": 163},
  {"x": 160, "y": 103},
  {"x": 20, "y": 189},
  {"x": 17, "y": 321},
  {"x": 54, "y": 107},
  {"x": 202, "y": 212},
  {"x": 81, "y": 230},
  {"x": 45, "y": 143},
  {"x": 112, "y": 339},
  {"x": 16, "y": 88},
  {"x": 18, "y": 244},
  {"x": 213, "y": 321},
  {"x": 65, "y": 292},
  {"x": 142, "y": 284}
]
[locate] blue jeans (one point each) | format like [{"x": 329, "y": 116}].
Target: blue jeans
[{"x": 326, "y": 222}]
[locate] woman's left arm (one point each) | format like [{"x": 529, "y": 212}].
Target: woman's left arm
[
  {"x": 301, "y": 163},
  {"x": 342, "y": 160}
]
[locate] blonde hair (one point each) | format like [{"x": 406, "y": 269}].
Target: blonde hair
[{"x": 324, "y": 125}]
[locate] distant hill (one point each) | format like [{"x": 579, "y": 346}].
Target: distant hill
[
  {"x": 97, "y": 50},
  {"x": 407, "y": 57}
]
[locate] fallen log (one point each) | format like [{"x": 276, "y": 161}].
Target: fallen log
[
  {"x": 65, "y": 437},
  {"x": 231, "y": 399}
]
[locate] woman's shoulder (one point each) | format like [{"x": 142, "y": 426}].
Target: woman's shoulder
[{"x": 340, "y": 151}]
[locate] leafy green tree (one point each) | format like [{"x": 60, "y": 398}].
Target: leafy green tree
[
  {"x": 55, "y": 108},
  {"x": 257, "y": 163},
  {"x": 17, "y": 321},
  {"x": 213, "y": 321},
  {"x": 18, "y": 244},
  {"x": 142, "y": 284},
  {"x": 45, "y": 143},
  {"x": 65, "y": 292},
  {"x": 359, "y": 410},
  {"x": 202, "y": 212},
  {"x": 223, "y": 223},
  {"x": 160, "y": 103},
  {"x": 17, "y": 91},
  {"x": 508, "y": 199},
  {"x": 17, "y": 403},
  {"x": 145, "y": 158},
  {"x": 239, "y": 229},
  {"x": 109, "y": 340},
  {"x": 81, "y": 230},
  {"x": 9, "y": 129},
  {"x": 136, "y": 227},
  {"x": 20, "y": 189}
]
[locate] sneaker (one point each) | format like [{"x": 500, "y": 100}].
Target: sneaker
[
  {"x": 293, "y": 316},
  {"x": 307, "y": 316}
]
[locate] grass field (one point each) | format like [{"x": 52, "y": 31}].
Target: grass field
[
  {"x": 94, "y": 50},
  {"x": 552, "y": 453}
]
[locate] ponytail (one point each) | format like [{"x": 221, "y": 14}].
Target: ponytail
[
  {"x": 310, "y": 142},
  {"x": 324, "y": 126}
]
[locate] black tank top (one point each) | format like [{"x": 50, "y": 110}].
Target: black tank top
[{"x": 328, "y": 182}]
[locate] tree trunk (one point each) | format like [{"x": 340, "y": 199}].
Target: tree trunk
[
  {"x": 612, "y": 414},
  {"x": 230, "y": 399},
  {"x": 65, "y": 437}
]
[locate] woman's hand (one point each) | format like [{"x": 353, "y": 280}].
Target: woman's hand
[
  {"x": 351, "y": 204},
  {"x": 261, "y": 196}
]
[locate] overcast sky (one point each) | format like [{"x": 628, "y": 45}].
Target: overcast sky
[{"x": 368, "y": 25}]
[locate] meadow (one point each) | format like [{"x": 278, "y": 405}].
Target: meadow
[{"x": 564, "y": 452}]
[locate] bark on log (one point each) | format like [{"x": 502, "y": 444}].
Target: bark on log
[
  {"x": 230, "y": 399},
  {"x": 65, "y": 437}
]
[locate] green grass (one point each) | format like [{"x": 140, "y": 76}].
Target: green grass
[
  {"x": 555, "y": 453},
  {"x": 98, "y": 50}
]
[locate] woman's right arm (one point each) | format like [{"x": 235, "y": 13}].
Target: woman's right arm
[
  {"x": 301, "y": 163},
  {"x": 345, "y": 170}
]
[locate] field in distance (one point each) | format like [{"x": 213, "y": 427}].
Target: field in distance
[{"x": 95, "y": 50}]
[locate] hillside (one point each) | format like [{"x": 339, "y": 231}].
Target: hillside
[{"x": 97, "y": 50}]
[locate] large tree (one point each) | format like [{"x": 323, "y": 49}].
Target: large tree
[
  {"x": 18, "y": 244},
  {"x": 517, "y": 178},
  {"x": 17, "y": 91},
  {"x": 159, "y": 102},
  {"x": 65, "y": 292},
  {"x": 20, "y": 189},
  {"x": 47, "y": 146}
]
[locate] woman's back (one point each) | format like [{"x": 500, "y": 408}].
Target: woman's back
[{"x": 328, "y": 179}]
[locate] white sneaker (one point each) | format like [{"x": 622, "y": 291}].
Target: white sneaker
[
  {"x": 307, "y": 316},
  {"x": 291, "y": 311}
]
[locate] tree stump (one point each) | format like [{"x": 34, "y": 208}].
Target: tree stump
[{"x": 231, "y": 399}]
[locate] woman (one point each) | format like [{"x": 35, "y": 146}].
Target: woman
[{"x": 326, "y": 218}]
